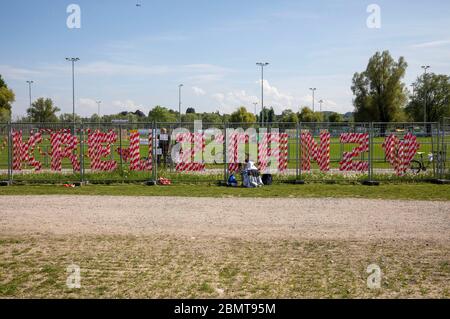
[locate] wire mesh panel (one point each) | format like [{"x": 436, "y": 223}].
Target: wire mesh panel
[
  {"x": 334, "y": 151},
  {"x": 405, "y": 150},
  {"x": 118, "y": 152},
  {"x": 4, "y": 152},
  {"x": 45, "y": 152},
  {"x": 209, "y": 152},
  {"x": 189, "y": 152},
  {"x": 446, "y": 147}
]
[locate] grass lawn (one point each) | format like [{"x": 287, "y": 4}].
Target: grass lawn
[
  {"x": 166, "y": 267},
  {"x": 422, "y": 191}
]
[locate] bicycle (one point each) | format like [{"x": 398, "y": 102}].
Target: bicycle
[{"x": 419, "y": 165}]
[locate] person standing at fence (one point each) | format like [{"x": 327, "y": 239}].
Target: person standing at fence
[{"x": 164, "y": 146}]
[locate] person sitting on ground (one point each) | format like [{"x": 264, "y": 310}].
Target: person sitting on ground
[{"x": 250, "y": 174}]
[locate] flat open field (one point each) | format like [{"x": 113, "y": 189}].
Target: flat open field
[{"x": 129, "y": 246}]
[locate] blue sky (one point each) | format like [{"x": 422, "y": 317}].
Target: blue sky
[{"x": 135, "y": 57}]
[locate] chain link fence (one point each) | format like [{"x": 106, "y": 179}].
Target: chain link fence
[
  {"x": 205, "y": 152},
  {"x": 445, "y": 146}
]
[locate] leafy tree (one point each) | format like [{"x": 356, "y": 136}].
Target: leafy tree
[
  {"x": 241, "y": 115},
  {"x": 379, "y": 93},
  {"x": 269, "y": 115},
  {"x": 432, "y": 90},
  {"x": 213, "y": 118},
  {"x": 43, "y": 110},
  {"x": 6, "y": 98},
  {"x": 307, "y": 115},
  {"x": 162, "y": 114},
  {"x": 68, "y": 118},
  {"x": 190, "y": 117},
  {"x": 288, "y": 116},
  {"x": 335, "y": 118},
  {"x": 190, "y": 110}
]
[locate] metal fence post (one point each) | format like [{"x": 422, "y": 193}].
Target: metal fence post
[
  {"x": 370, "y": 151},
  {"x": 433, "y": 149},
  {"x": 155, "y": 152},
  {"x": 225, "y": 156},
  {"x": 300, "y": 151},
  {"x": 121, "y": 151},
  {"x": 10, "y": 154},
  {"x": 297, "y": 151},
  {"x": 81, "y": 153}
]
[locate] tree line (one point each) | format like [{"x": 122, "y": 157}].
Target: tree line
[{"x": 380, "y": 95}]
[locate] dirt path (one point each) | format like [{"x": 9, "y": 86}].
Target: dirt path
[{"x": 358, "y": 219}]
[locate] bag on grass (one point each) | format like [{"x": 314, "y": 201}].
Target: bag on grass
[
  {"x": 232, "y": 181},
  {"x": 267, "y": 179}
]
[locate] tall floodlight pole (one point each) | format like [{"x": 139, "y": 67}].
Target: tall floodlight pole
[
  {"x": 73, "y": 60},
  {"x": 425, "y": 68},
  {"x": 256, "y": 107},
  {"x": 29, "y": 89},
  {"x": 179, "y": 100},
  {"x": 313, "y": 91},
  {"x": 320, "y": 103},
  {"x": 413, "y": 89},
  {"x": 98, "y": 108},
  {"x": 262, "y": 65}
]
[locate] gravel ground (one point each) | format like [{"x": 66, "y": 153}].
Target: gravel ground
[
  {"x": 359, "y": 219},
  {"x": 174, "y": 247}
]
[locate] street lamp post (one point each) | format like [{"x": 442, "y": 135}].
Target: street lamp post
[
  {"x": 262, "y": 65},
  {"x": 29, "y": 89},
  {"x": 425, "y": 68},
  {"x": 313, "y": 91},
  {"x": 73, "y": 60},
  {"x": 179, "y": 100},
  {"x": 320, "y": 103},
  {"x": 98, "y": 107},
  {"x": 413, "y": 89},
  {"x": 256, "y": 106}
]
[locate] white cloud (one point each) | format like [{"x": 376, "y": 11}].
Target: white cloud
[
  {"x": 127, "y": 105},
  {"x": 193, "y": 72},
  {"x": 86, "y": 106},
  {"x": 198, "y": 91},
  {"x": 87, "y": 103},
  {"x": 14, "y": 73},
  {"x": 431, "y": 44},
  {"x": 231, "y": 100},
  {"x": 275, "y": 98}
]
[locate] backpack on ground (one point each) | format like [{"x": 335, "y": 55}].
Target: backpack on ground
[{"x": 267, "y": 179}]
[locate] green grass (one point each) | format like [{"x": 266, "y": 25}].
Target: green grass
[{"x": 421, "y": 191}]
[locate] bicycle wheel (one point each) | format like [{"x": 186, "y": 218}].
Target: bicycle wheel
[{"x": 415, "y": 166}]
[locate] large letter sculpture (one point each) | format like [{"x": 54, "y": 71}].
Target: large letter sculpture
[
  {"x": 97, "y": 150},
  {"x": 63, "y": 145},
  {"x": 311, "y": 150},
  {"x": 400, "y": 153},
  {"x": 24, "y": 151},
  {"x": 347, "y": 163}
]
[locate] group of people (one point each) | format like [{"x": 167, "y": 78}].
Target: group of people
[{"x": 251, "y": 176}]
